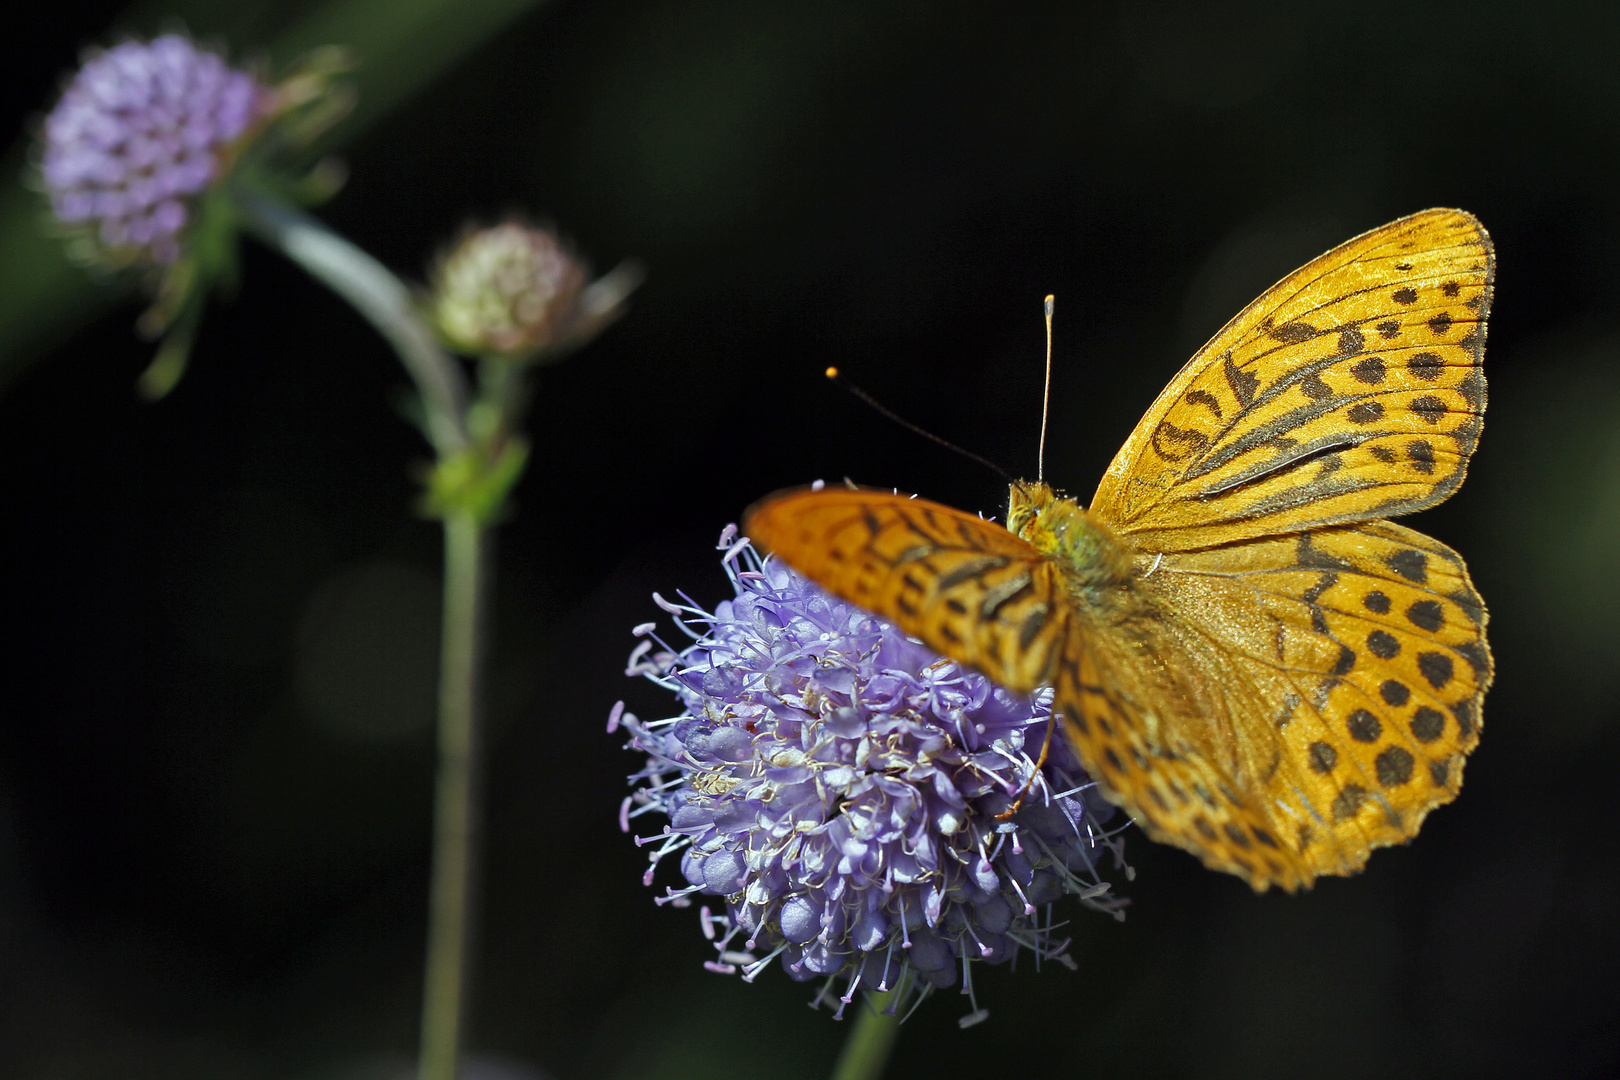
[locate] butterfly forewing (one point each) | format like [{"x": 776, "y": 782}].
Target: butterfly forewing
[
  {"x": 1350, "y": 391},
  {"x": 965, "y": 586}
]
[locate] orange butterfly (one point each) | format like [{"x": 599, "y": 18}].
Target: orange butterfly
[{"x": 1246, "y": 655}]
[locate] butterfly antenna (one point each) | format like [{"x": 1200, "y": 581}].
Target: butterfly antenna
[
  {"x": 1046, "y": 395},
  {"x": 838, "y": 377}
]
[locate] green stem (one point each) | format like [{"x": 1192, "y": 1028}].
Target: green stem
[
  {"x": 455, "y": 807},
  {"x": 375, "y": 293},
  {"x": 380, "y": 296},
  {"x": 867, "y": 1050}
]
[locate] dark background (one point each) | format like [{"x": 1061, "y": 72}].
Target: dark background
[{"x": 219, "y": 612}]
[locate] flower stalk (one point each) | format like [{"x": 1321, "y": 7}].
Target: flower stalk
[
  {"x": 452, "y": 895},
  {"x": 154, "y": 158},
  {"x": 377, "y": 294},
  {"x": 385, "y": 301},
  {"x": 867, "y": 1050}
]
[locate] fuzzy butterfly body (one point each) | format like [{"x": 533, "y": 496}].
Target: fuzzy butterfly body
[{"x": 1245, "y": 655}]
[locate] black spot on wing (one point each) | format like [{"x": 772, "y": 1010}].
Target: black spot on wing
[
  {"x": 1473, "y": 390},
  {"x": 1426, "y": 615},
  {"x": 1383, "y": 645},
  {"x": 1364, "y": 726},
  {"x": 1425, "y": 365},
  {"x": 1369, "y": 371},
  {"x": 1428, "y": 724},
  {"x": 1394, "y": 766},
  {"x": 1294, "y": 332},
  {"x": 1436, "y": 667},
  {"x": 1348, "y": 802},
  {"x": 1410, "y": 564},
  {"x": 1429, "y": 407},
  {"x": 1314, "y": 388},
  {"x": 1323, "y": 757}
]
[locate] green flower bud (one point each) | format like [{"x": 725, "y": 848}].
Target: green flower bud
[{"x": 509, "y": 290}]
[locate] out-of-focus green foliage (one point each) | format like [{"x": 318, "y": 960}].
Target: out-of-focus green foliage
[{"x": 401, "y": 45}]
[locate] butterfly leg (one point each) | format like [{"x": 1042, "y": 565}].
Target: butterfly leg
[{"x": 1046, "y": 746}]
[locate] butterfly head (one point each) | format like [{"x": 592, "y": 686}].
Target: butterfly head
[
  {"x": 1026, "y": 501},
  {"x": 1061, "y": 529}
]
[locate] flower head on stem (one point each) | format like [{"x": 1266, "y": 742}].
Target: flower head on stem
[
  {"x": 135, "y": 156},
  {"x": 142, "y": 130},
  {"x": 841, "y": 790},
  {"x": 515, "y": 291}
]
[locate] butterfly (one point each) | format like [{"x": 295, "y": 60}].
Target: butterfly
[{"x": 1245, "y": 653}]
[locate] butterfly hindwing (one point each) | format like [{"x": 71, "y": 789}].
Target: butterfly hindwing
[
  {"x": 1174, "y": 790},
  {"x": 1349, "y": 391},
  {"x": 1352, "y": 662}
]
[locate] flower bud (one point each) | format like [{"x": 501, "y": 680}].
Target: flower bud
[{"x": 507, "y": 290}]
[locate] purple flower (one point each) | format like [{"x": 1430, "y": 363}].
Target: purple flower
[
  {"x": 841, "y": 788},
  {"x": 142, "y": 129}
]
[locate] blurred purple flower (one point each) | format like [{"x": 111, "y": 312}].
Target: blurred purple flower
[
  {"x": 142, "y": 128},
  {"x": 839, "y": 785}
]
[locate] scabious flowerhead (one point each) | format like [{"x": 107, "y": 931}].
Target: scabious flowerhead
[
  {"x": 142, "y": 129},
  {"x": 842, "y": 790},
  {"x": 517, "y": 291},
  {"x": 505, "y": 290}
]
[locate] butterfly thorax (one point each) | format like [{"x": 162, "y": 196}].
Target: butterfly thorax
[{"x": 1095, "y": 562}]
